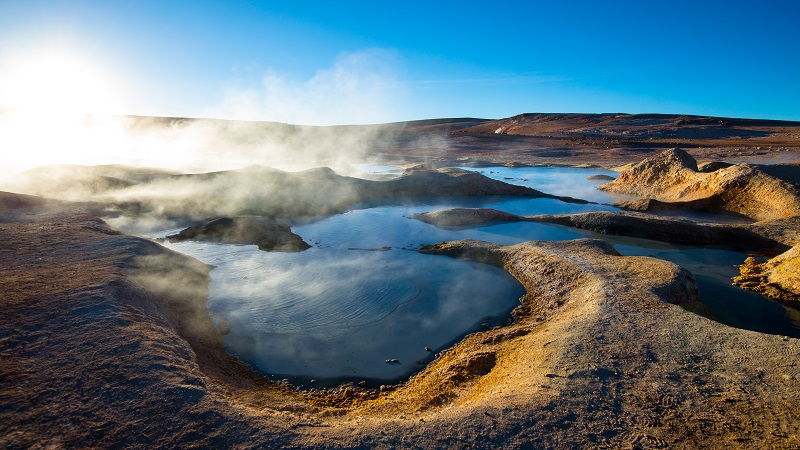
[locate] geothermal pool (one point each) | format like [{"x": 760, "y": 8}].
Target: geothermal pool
[{"x": 362, "y": 295}]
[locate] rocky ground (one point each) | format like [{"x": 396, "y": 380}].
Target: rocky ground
[{"x": 105, "y": 340}]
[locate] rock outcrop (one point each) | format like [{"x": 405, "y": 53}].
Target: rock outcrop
[
  {"x": 600, "y": 177},
  {"x": 673, "y": 176},
  {"x": 621, "y": 224},
  {"x": 459, "y": 217},
  {"x": 675, "y": 231},
  {"x": 269, "y": 234},
  {"x": 778, "y": 278}
]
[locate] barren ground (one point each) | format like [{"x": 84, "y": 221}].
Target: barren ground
[{"x": 105, "y": 341}]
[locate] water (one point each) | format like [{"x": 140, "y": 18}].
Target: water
[
  {"x": 362, "y": 294},
  {"x": 330, "y": 313},
  {"x": 562, "y": 181},
  {"x": 713, "y": 270},
  {"x": 391, "y": 225}
]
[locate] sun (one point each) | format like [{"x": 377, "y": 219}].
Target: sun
[{"x": 59, "y": 82}]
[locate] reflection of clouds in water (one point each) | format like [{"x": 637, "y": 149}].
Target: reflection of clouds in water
[
  {"x": 319, "y": 293},
  {"x": 563, "y": 181},
  {"x": 329, "y": 312}
]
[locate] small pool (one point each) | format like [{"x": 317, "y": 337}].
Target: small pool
[{"x": 362, "y": 295}]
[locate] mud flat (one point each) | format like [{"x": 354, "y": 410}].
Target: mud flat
[{"x": 106, "y": 341}]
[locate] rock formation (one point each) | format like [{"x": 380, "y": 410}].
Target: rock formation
[
  {"x": 778, "y": 278},
  {"x": 618, "y": 223},
  {"x": 673, "y": 176},
  {"x": 459, "y": 217},
  {"x": 269, "y": 234}
]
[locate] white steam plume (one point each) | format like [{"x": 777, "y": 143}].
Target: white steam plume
[{"x": 359, "y": 88}]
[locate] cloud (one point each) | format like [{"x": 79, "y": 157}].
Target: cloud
[
  {"x": 511, "y": 79},
  {"x": 359, "y": 88}
]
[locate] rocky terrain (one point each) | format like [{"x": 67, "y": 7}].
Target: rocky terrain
[
  {"x": 267, "y": 233},
  {"x": 678, "y": 231},
  {"x": 602, "y": 140},
  {"x": 105, "y": 340},
  {"x": 778, "y": 277},
  {"x": 673, "y": 176}
]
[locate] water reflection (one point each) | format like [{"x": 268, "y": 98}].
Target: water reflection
[
  {"x": 330, "y": 313},
  {"x": 562, "y": 181}
]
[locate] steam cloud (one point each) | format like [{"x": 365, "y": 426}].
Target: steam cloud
[{"x": 360, "y": 87}]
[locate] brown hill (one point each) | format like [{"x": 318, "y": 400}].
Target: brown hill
[{"x": 625, "y": 126}]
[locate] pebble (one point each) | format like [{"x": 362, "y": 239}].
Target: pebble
[{"x": 427, "y": 349}]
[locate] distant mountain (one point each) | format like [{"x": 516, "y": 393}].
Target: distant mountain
[{"x": 657, "y": 126}]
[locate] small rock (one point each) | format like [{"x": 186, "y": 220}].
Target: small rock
[
  {"x": 786, "y": 338},
  {"x": 362, "y": 383},
  {"x": 427, "y": 349}
]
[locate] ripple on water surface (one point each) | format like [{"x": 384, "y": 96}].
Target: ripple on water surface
[{"x": 331, "y": 313}]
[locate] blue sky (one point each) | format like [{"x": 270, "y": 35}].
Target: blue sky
[{"x": 360, "y": 62}]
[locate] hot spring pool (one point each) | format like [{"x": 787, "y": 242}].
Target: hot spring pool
[{"x": 363, "y": 295}]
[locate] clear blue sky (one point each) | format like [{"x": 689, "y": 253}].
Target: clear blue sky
[{"x": 347, "y": 62}]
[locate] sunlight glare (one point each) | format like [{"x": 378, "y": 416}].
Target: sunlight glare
[{"x": 57, "y": 82}]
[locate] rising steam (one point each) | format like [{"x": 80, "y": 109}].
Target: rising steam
[{"x": 359, "y": 88}]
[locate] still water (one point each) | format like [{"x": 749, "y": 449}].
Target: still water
[{"x": 363, "y": 295}]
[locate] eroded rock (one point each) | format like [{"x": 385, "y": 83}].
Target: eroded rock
[
  {"x": 673, "y": 176},
  {"x": 778, "y": 277}
]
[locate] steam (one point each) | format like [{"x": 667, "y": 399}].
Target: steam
[
  {"x": 334, "y": 312},
  {"x": 359, "y": 87}
]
